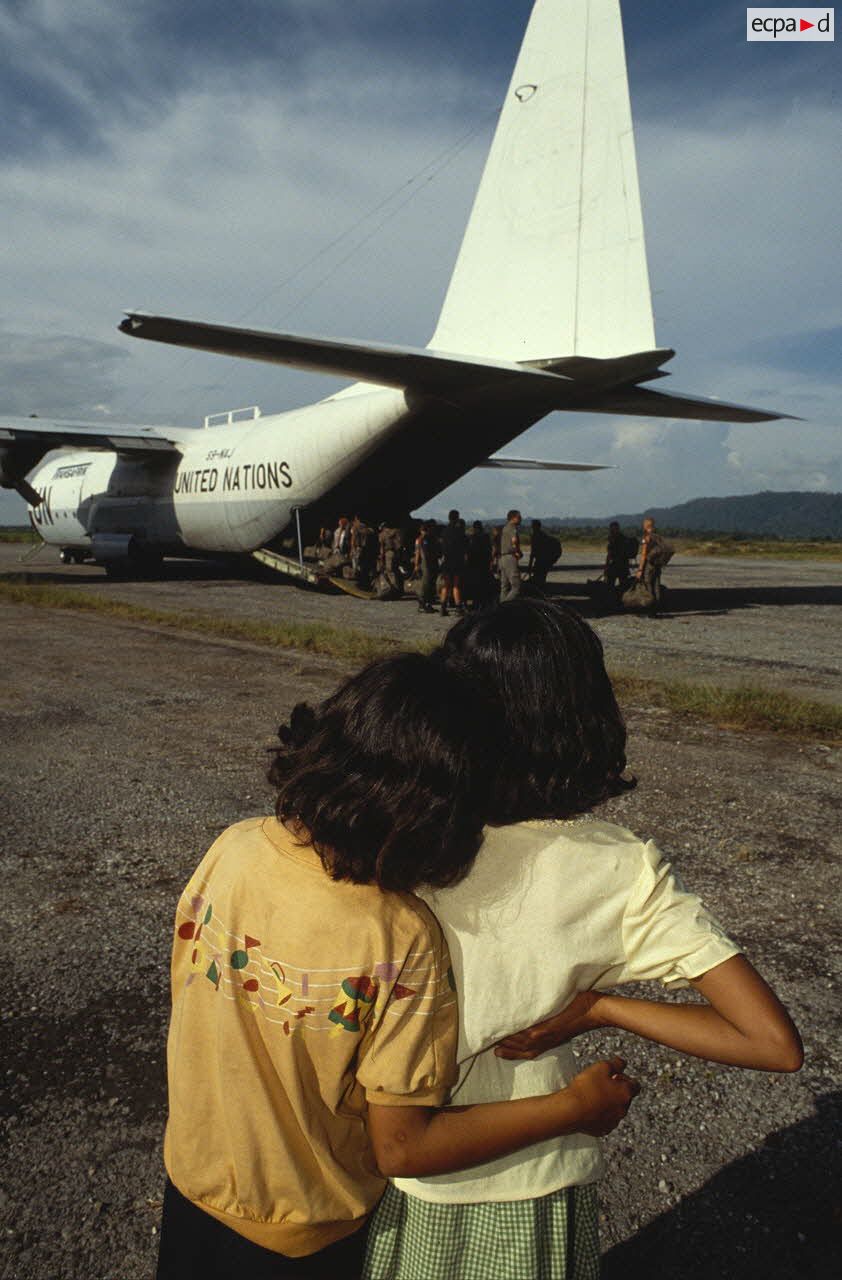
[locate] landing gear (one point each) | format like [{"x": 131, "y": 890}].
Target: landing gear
[{"x": 67, "y": 555}]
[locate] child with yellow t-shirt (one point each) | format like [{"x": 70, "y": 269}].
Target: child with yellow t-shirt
[{"x": 313, "y": 1033}]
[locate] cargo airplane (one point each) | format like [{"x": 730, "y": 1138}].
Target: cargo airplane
[{"x": 548, "y": 308}]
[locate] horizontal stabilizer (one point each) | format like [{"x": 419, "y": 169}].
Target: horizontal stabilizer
[
  {"x": 388, "y": 366},
  {"x": 658, "y": 404},
  {"x": 533, "y": 464},
  {"x": 557, "y": 383}
]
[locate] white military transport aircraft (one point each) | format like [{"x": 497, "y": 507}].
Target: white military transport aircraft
[{"x": 548, "y": 308}]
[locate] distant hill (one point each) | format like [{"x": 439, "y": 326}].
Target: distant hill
[{"x": 771, "y": 515}]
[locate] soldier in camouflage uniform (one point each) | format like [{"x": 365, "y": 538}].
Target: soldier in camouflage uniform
[
  {"x": 427, "y": 553},
  {"x": 651, "y": 560},
  {"x": 390, "y": 540}
]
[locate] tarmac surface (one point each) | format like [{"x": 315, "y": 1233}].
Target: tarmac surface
[
  {"x": 128, "y": 747},
  {"x": 726, "y": 620}
]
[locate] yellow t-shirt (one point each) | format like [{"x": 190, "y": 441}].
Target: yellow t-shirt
[{"x": 296, "y": 999}]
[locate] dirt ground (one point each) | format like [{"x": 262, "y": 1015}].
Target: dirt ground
[{"x": 127, "y": 748}]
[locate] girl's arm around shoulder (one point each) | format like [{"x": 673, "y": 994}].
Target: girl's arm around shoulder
[
  {"x": 418, "y": 1141},
  {"x": 743, "y": 1023}
]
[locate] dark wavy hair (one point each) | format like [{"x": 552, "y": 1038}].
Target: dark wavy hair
[
  {"x": 563, "y": 747},
  {"x": 381, "y": 778}
]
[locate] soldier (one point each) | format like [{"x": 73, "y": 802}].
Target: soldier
[
  {"x": 510, "y": 554},
  {"x": 617, "y": 555},
  {"x": 366, "y": 550},
  {"x": 653, "y": 556},
  {"x": 324, "y": 543},
  {"x": 358, "y": 532},
  {"x": 479, "y": 580},
  {"x": 342, "y": 537},
  {"x": 454, "y": 547},
  {"x": 341, "y": 549},
  {"x": 409, "y": 535},
  {"x": 544, "y": 550},
  {"x": 427, "y": 551},
  {"x": 390, "y": 541}
]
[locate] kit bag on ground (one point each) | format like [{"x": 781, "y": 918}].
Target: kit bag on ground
[
  {"x": 335, "y": 562},
  {"x": 388, "y": 586},
  {"x": 638, "y": 596}
]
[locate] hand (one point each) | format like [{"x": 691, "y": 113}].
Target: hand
[
  {"x": 579, "y": 1016},
  {"x": 604, "y": 1093}
]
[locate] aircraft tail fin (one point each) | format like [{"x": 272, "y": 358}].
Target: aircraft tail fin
[{"x": 553, "y": 260}]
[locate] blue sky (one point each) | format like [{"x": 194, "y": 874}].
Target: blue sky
[{"x": 309, "y": 164}]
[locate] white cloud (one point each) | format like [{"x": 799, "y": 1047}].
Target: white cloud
[{"x": 207, "y": 204}]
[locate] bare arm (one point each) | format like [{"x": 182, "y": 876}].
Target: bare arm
[
  {"x": 642, "y": 560},
  {"x": 418, "y": 1141},
  {"x": 743, "y": 1024}
]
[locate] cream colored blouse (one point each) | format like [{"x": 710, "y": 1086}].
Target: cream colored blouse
[{"x": 549, "y": 909}]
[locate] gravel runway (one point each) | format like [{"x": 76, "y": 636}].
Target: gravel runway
[
  {"x": 127, "y": 748},
  {"x": 727, "y": 620}
]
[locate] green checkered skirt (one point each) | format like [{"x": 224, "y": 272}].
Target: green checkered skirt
[{"x": 554, "y": 1237}]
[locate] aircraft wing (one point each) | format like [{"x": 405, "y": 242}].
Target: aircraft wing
[
  {"x": 53, "y": 432},
  {"x": 24, "y": 441},
  {"x": 531, "y": 464}
]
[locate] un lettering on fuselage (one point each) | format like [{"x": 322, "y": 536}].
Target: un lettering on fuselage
[
  {"x": 43, "y": 513},
  {"x": 233, "y": 479}
]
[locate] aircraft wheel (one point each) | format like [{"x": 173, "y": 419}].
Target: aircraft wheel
[{"x": 66, "y": 556}]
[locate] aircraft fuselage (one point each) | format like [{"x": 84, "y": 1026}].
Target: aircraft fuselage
[{"x": 229, "y": 489}]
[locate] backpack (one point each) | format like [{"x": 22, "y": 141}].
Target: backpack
[
  {"x": 454, "y": 542},
  {"x": 548, "y": 549},
  {"x": 661, "y": 554}
]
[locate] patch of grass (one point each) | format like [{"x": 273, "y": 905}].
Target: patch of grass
[
  {"x": 18, "y": 533},
  {"x": 589, "y": 537},
  {"x": 769, "y": 548},
  {"x": 311, "y": 637},
  {"x": 744, "y": 707}
]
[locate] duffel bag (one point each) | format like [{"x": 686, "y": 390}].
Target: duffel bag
[{"x": 638, "y": 596}]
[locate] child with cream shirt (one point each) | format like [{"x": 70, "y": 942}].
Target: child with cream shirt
[{"x": 557, "y": 907}]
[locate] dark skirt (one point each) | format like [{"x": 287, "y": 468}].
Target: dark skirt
[{"x": 193, "y": 1244}]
